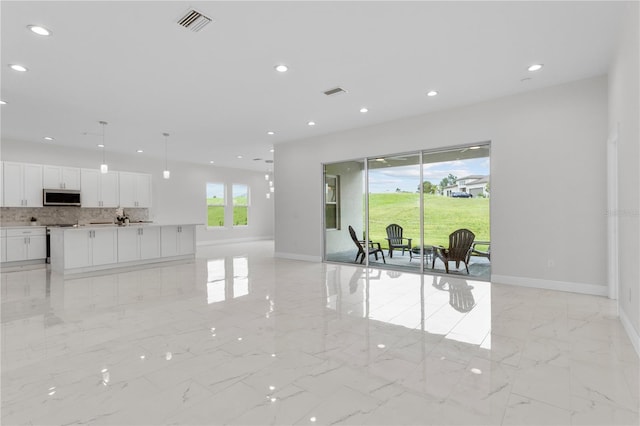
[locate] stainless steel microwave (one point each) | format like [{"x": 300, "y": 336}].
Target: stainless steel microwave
[{"x": 60, "y": 197}]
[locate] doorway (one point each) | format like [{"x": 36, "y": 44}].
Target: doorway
[{"x": 402, "y": 207}]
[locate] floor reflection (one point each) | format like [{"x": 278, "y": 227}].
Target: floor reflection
[
  {"x": 239, "y": 337},
  {"x": 455, "y": 308},
  {"x": 227, "y": 278}
]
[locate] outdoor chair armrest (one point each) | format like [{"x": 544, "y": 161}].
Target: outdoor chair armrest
[{"x": 371, "y": 243}]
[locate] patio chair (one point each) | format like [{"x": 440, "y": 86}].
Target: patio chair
[
  {"x": 374, "y": 248},
  {"x": 459, "y": 245},
  {"x": 396, "y": 240}
]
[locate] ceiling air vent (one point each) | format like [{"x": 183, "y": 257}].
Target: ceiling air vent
[
  {"x": 335, "y": 91},
  {"x": 194, "y": 20}
]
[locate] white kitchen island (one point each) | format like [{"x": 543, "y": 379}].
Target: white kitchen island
[{"x": 97, "y": 247}]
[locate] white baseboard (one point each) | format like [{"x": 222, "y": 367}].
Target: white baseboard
[
  {"x": 596, "y": 290},
  {"x": 631, "y": 331},
  {"x": 295, "y": 256},
  {"x": 231, "y": 241}
]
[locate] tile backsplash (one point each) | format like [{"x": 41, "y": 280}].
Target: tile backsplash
[{"x": 11, "y": 216}]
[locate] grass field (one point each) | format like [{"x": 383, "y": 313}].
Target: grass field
[
  {"x": 442, "y": 215},
  {"x": 215, "y": 211}
]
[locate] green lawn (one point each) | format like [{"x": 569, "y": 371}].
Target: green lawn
[
  {"x": 215, "y": 211},
  {"x": 442, "y": 216}
]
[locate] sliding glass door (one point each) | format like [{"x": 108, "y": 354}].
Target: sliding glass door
[
  {"x": 398, "y": 211},
  {"x": 344, "y": 207},
  {"x": 456, "y": 196},
  {"x": 394, "y": 210}
]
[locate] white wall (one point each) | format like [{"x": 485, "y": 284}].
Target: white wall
[
  {"x": 624, "y": 113},
  {"x": 181, "y": 199},
  {"x": 540, "y": 140}
]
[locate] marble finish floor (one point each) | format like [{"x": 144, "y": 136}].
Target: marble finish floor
[{"x": 240, "y": 338}]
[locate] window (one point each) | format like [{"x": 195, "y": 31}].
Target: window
[
  {"x": 215, "y": 205},
  {"x": 331, "y": 200},
  {"x": 240, "y": 204}
]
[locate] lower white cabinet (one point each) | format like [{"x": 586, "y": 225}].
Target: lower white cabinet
[
  {"x": 76, "y": 250},
  {"x": 178, "y": 240},
  {"x": 24, "y": 244},
  {"x": 90, "y": 247},
  {"x": 138, "y": 243}
]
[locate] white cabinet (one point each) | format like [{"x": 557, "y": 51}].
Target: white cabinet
[
  {"x": 3, "y": 245},
  {"x": 22, "y": 185},
  {"x": 178, "y": 240},
  {"x": 135, "y": 189},
  {"x": 92, "y": 247},
  {"x": 57, "y": 177},
  {"x": 138, "y": 243},
  {"x": 99, "y": 189},
  {"x": 25, "y": 244},
  {"x": 1, "y": 183}
]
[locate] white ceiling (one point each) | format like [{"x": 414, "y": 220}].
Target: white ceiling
[{"x": 217, "y": 93}]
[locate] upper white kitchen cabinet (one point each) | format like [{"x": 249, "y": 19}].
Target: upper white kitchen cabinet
[
  {"x": 2, "y": 183},
  {"x": 135, "y": 189},
  {"x": 22, "y": 184},
  {"x": 99, "y": 189},
  {"x": 57, "y": 177}
]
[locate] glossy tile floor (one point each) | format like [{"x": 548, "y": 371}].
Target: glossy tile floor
[{"x": 238, "y": 337}]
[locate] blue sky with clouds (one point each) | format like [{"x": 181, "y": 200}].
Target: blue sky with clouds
[{"x": 407, "y": 178}]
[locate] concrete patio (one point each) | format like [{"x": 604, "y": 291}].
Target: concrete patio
[{"x": 479, "y": 267}]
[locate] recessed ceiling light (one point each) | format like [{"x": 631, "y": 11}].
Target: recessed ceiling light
[
  {"x": 48, "y": 138},
  {"x": 363, "y": 110},
  {"x": 311, "y": 123},
  {"x": 271, "y": 150},
  {"x": 238, "y": 156},
  {"x": 17, "y": 67},
  {"x": 3, "y": 102},
  {"x": 37, "y": 29},
  {"x": 281, "y": 68},
  {"x": 432, "y": 93},
  {"x": 535, "y": 67},
  {"x": 139, "y": 151},
  {"x": 100, "y": 145},
  {"x": 211, "y": 162},
  {"x": 271, "y": 133}
]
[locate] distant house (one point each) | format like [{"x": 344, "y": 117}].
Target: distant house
[{"x": 472, "y": 184}]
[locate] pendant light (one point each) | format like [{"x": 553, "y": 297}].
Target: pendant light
[
  {"x": 166, "y": 173},
  {"x": 104, "y": 168}
]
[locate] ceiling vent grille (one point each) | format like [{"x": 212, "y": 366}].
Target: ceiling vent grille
[
  {"x": 335, "y": 91},
  {"x": 194, "y": 20}
]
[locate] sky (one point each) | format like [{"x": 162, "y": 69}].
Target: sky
[{"x": 407, "y": 178}]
